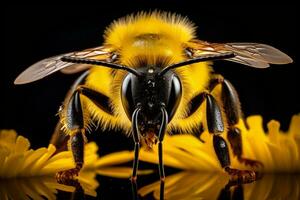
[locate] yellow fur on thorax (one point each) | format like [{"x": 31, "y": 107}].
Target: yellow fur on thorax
[
  {"x": 171, "y": 26},
  {"x": 152, "y": 37}
]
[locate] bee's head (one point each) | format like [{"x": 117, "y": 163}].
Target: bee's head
[{"x": 150, "y": 91}]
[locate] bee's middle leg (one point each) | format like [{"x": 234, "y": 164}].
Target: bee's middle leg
[
  {"x": 233, "y": 114},
  {"x": 215, "y": 126},
  {"x": 75, "y": 123}
]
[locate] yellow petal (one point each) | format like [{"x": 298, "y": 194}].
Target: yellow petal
[
  {"x": 40, "y": 163},
  {"x": 114, "y": 158},
  {"x": 273, "y": 130},
  {"x": 8, "y": 136},
  {"x": 88, "y": 182},
  {"x": 22, "y": 144},
  {"x": 31, "y": 158},
  {"x": 57, "y": 166},
  {"x": 59, "y": 156},
  {"x": 152, "y": 157},
  {"x": 14, "y": 163},
  {"x": 294, "y": 128}
]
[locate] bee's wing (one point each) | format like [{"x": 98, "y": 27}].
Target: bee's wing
[
  {"x": 75, "y": 68},
  {"x": 50, "y": 65},
  {"x": 250, "y": 54}
]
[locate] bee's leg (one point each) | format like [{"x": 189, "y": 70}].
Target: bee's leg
[
  {"x": 227, "y": 193},
  {"x": 161, "y": 134},
  {"x": 216, "y": 127},
  {"x": 239, "y": 176},
  {"x": 59, "y": 138},
  {"x": 233, "y": 114},
  {"x": 234, "y": 137},
  {"x": 162, "y": 190},
  {"x": 134, "y": 189},
  {"x": 136, "y": 139},
  {"x": 75, "y": 123}
]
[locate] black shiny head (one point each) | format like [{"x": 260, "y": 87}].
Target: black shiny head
[{"x": 150, "y": 91}]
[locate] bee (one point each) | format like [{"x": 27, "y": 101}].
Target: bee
[{"x": 150, "y": 77}]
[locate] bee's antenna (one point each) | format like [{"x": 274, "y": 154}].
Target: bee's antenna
[
  {"x": 202, "y": 58},
  {"x": 100, "y": 63}
]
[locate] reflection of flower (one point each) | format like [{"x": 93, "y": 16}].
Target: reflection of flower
[
  {"x": 42, "y": 186},
  {"x": 187, "y": 185},
  {"x": 197, "y": 185},
  {"x": 278, "y": 151},
  {"x": 103, "y": 166}
]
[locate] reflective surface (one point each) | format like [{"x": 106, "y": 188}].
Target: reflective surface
[{"x": 182, "y": 185}]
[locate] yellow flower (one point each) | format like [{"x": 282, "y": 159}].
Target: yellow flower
[
  {"x": 18, "y": 160},
  {"x": 42, "y": 187},
  {"x": 209, "y": 185},
  {"x": 278, "y": 151}
]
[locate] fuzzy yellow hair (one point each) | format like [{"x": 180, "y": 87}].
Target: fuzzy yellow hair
[
  {"x": 171, "y": 26},
  {"x": 148, "y": 38}
]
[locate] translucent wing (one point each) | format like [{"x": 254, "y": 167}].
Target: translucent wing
[
  {"x": 75, "y": 68},
  {"x": 50, "y": 65},
  {"x": 250, "y": 54}
]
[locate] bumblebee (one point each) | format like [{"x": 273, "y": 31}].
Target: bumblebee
[{"x": 150, "y": 77}]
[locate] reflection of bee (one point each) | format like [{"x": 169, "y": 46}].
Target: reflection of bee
[{"x": 150, "y": 77}]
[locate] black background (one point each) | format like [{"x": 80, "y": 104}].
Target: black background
[{"x": 36, "y": 32}]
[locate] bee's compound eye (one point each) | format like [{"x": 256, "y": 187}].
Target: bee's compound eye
[
  {"x": 126, "y": 96},
  {"x": 175, "y": 97}
]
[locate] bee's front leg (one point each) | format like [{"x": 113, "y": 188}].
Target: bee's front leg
[
  {"x": 59, "y": 137},
  {"x": 75, "y": 123}
]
